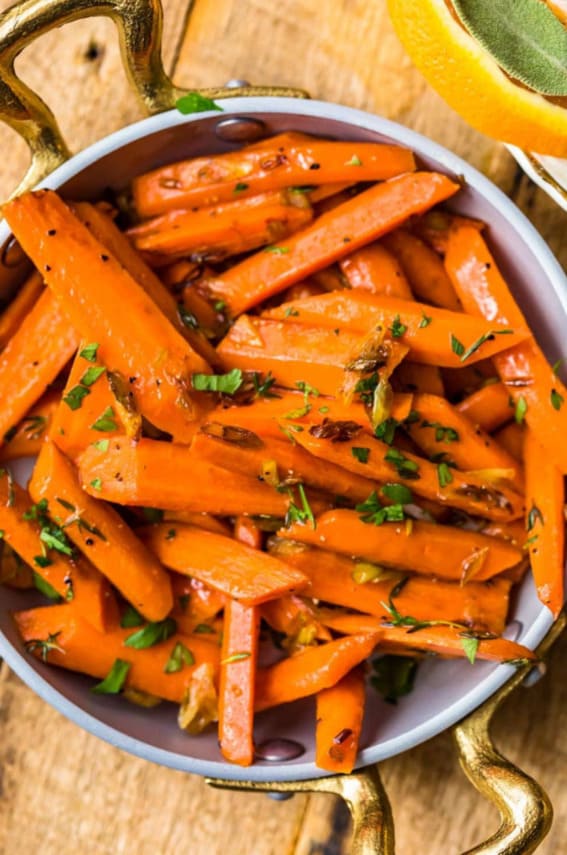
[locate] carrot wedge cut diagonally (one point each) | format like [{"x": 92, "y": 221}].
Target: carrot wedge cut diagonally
[
  {"x": 340, "y": 711},
  {"x": 17, "y": 310},
  {"x": 489, "y": 407},
  {"x": 424, "y": 270},
  {"x": 373, "y": 268}
]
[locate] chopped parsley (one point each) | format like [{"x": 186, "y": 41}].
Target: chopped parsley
[
  {"x": 152, "y": 634},
  {"x": 45, "y": 588},
  {"x": 290, "y": 312},
  {"x": 303, "y": 514},
  {"x": 44, "y": 645},
  {"x": 386, "y": 430},
  {"x": 480, "y": 341},
  {"x": 277, "y": 250},
  {"x": 74, "y": 397},
  {"x": 227, "y": 384},
  {"x": 398, "y": 328},
  {"x": 263, "y": 387},
  {"x": 101, "y": 444},
  {"x": 361, "y": 454},
  {"x": 444, "y": 474},
  {"x": 354, "y": 161},
  {"x": 114, "y": 680},
  {"x": 373, "y": 512},
  {"x": 236, "y": 657},
  {"x": 397, "y": 493},
  {"x": 534, "y": 515},
  {"x": 556, "y": 399},
  {"x": 194, "y": 102},
  {"x": 92, "y": 374},
  {"x": 240, "y": 187},
  {"x": 457, "y": 346},
  {"x": 131, "y": 618},
  {"x": 442, "y": 434},
  {"x": 521, "y": 410},
  {"x": 425, "y": 320},
  {"x": 405, "y": 467},
  {"x": 89, "y": 352},
  {"x": 470, "y": 646},
  {"x": 180, "y": 656},
  {"x": 219, "y": 305},
  {"x": 96, "y": 484},
  {"x": 105, "y": 422},
  {"x": 393, "y": 676}
]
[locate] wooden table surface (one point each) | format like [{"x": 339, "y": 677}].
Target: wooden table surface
[{"x": 61, "y": 790}]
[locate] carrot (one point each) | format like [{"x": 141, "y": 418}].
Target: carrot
[
  {"x": 514, "y": 532},
  {"x": 196, "y": 605},
  {"x": 330, "y": 278},
  {"x": 97, "y": 530},
  {"x": 246, "y": 575},
  {"x": 424, "y": 270},
  {"x": 373, "y": 268},
  {"x": 412, "y": 377},
  {"x": 182, "y": 279},
  {"x": 545, "y": 522},
  {"x": 311, "y": 670},
  {"x": 201, "y": 520},
  {"x": 332, "y": 578},
  {"x": 91, "y": 283},
  {"x": 220, "y": 231},
  {"x": 58, "y": 635},
  {"x": 308, "y": 288},
  {"x": 430, "y": 333},
  {"x": 537, "y": 392},
  {"x": 246, "y": 531},
  {"x": 362, "y": 219},
  {"x": 27, "y": 366},
  {"x": 294, "y": 617},
  {"x": 425, "y": 548},
  {"x": 340, "y": 710},
  {"x": 278, "y": 461},
  {"x": 20, "y": 306},
  {"x": 283, "y": 161},
  {"x": 71, "y": 576},
  {"x": 434, "y": 228},
  {"x": 489, "y": 407},
  {"x": 439, "y": 640},
  {"x": 442, "y": 427},
  {"x": 14, "y": 573},
  {"x": 163, "y": 475},
  {"x": 511, "y": 437},
  {"x": 327, "y": 191},
  {"x": 438, "y": 482},
  {"x": 239, "y": 660},
  {"x": 25, "y": 440},
  {"x": 460, "y": 382},
  {"x": 289, "y": 350}
]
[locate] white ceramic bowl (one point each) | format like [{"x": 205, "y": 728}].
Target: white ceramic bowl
[{"x": 445, "y": 692}]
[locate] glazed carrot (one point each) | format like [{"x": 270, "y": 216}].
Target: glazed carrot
[
  {"x": 440, "y": 640},
  {"x": 461, "y": 382},
  {"x": 14, "y": 573},
  {"x": 239, "y": 659},
  {"x": 429, "y": 332},
  {"x": 308, "y": 288},
  {"x": 442, "y": 427},
  {"x": 524, "y": 370},
  {"x": 434, "y": 228},
  {"x": 27, "y": 365},
  {"x": 246, "y": 575},
  {"x": 20, "y": 306},
  {"x": 163, "y": 475},
  {"x": 412, "y": 377},
  {"x": 294, "y": 617},
  {"x": 201, "y": 520},
  {"x": 100, "y": 532},
  {"x": 425, "y": 548},
  {"x": 278, "y": 461},
  {"x": 285, "y": 160},
  {"x": 220, "y": 231},
  {"x": 332, "y": 578},
  {"x": 330, "y": 278},
  {"x": 489, "y": 407},
  {"x": 182, "y": 279},
  {"x": 362, "y": 219},
  {"x": 340, "y": 710},
  {"x": 79, "y": 647},
  {"x": 424, "y": 270},
  {"x": 246, "y": 531},
  {"x": 373, "y": 268},
  {"x": 545, "y": 522},
  {"x": 73, "y": 577},
  {"x": 91, "y": 284},
  {"x": 26, "y": 438},
  {"x": 445, "y": 485},
  {"x": 327, "y": 191},
  {"x": 511, "y": 437},
  {"x": 514, "y": 532},
  {"x": 291, "y": 351},
  {"x": 196, "y": 605}
]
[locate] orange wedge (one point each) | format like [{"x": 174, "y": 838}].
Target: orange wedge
[{"x": 472, "y": 83}]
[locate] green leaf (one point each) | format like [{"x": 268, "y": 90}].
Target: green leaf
[
  {"x": 354, "y": 161},
  {"x": 92, "y": 374},
  {"x": 188, "y": 318},
  {"x": 236, "y": 657},
  {"x": 277, "y": 250},
  {"x": 101, "y": 444},
  {"x": 114, "y": 680},
  {"x": 228, "y": 384},
  {"x": 240, "y": 187},
  {"x": 556, "y": 399},
  {"x": 405, "y": 467},
  {"x": 89, "y": 352},
  {"x": 180, "y": 656},
  {"x": 152, "y": 634},
  {"x": 74, "y": 397},
  {"x": 96, "y": 484},
  {"x": 386, "y": 430},
  {"x": 457, "y": 346},
  {"x": 373, "y": 513},
  {"x": 521, "y": 410},
  {"x": 397, "y": 329},
  {"x": 45, "y": 588},
  {"x": 444, "y": 475},
  {"x": 131, "y": 618},
  {"x": 194, "y": 102},
  {"x": 398, "y": 493},
  {"x": 361, "y": 454},
  {"x": 204, "y": 629},
  {"x": 393, "y": 676},
  {"x": 524, "y": 37},
  {"x": 301, "y": 514},
  {"x": 425, "y": 320},
  {"x": 106, "y": 421},
  {"x": 263, "y": 385},
  {"x": 489, "y": 336},
  {"x": 470, "y": 646}
]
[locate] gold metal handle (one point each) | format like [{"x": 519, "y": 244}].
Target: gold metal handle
[
  {"x": 139, "y": 24},
  {"x": 525, "y": 809}
]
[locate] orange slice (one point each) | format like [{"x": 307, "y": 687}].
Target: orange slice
[{"x": 472, "y": 83}]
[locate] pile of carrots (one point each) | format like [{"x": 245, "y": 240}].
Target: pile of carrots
[{"x": 284, "y": 396}]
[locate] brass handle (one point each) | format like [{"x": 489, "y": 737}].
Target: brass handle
[{"x": 139, "y": 24}]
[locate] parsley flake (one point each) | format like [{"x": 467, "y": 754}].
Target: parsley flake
[
  {"x": 227, "y": 384},
  {"x": 74, "y": 397},
  {"x": 398, "y": 328},
  {"x": 114, "y": 680},
  {"x": 425, "y": 320},
  {"x": 556, "y": 399},
  {"x": 521, "y": 410},
  {"x": 194, "y": 102},
  {"x": 152, "y": 634},
  {"x": 180, "y": 656},
  {"x": 277, "y": 250},
  {"x": 105, "y": 422},
  {"x": 444, "y": 475},
  {"x": 457, "y": 346},
  {"x": 89, "y": 352},
  {"x": 361, "y": 454},
  {"x": 354, "y": 161}
]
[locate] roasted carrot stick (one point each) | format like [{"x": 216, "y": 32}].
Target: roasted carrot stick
[
  {"x": 308, "y": 288},
  {"x": 239, "y": 661},
  {"x": 27, "y": 365},
  {"x": 72, "y": 576},
  {"x": 98, "y": 531},
  {"x": 246, "y": 575},
  {"x": 26, "y": 438},
  {"x": 182, "y": 279},
  {"x": 294, "y": 617},
  {"x": 15, "y": 573},
  {"x": 201, "y": 520},
  {"x": 246, "y": 531},
  {"x": 433, "y": 335},
  {"x": 362, "y": 219},
  {"x": 413, "y": 377},
  {"x": 424, "y": 270},
  {"x": 438, "y": 482},
  {"x": 511, "y": 437},
  {"x": 18, "y": 309},
  {"x": 291, "y": 351},
  {"x": 426, "y": 548},
  {"x": 373, "y": 268},
  {"x": 332, "y": 578},
  {"x": 311, "y": 670},
  {"x": 545, "y": 522},
  {"x": 163, "y": 475},
  {"x": 538, "y": 393},
  {"x": 461, "y": 382},
  {"x": 489, "y": 407},
  {"x": 278, "y": 462},
  {"x": 286, "y": 160},
  {"x": 196, "y": 605},
  {"x": 90, "y": 283},
  {"x": 61, "y": 637},
  {"x": 328, "y": 191},
  {"x": 340, "y": 710},
  {"x": 434, "y": 228}
]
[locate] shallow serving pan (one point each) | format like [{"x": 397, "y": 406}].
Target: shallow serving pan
[{"x": 446, "y": 692}]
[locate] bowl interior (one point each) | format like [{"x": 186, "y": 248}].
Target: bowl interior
[{"x": 445, "y": 691}]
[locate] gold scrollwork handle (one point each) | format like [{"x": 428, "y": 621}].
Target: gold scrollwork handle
[{"x": 139, "y": 24}]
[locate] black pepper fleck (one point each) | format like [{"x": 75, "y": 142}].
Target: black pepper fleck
[
  {"x": 89, "y": 541},
  {"x": 51, "y": 232},
  {"x": 104, "y": 257},
  {"x": 315, "y": 166}
]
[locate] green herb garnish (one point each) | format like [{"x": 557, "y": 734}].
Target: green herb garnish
[
  {"x": 105, "y": 422},
  {"x": 444, "y": 475},
  {"x": 397, "y": 493},
  {"x": 194, "y": 102},
  {"x": 131, "y": 618},
  {"x": 92, "y": 374},
  {"x": 180, "y": 656},
  {"x": 89, "y": 352},
  {"x": 114, "y": 680},
  {"x": 227, "y": 384},
  {"x": 397, "y": 329},
  {"x": 521, "y": 410},
  {"x": 74, "y": 397},
  {"x": 405, "y": 467},
  {"x": 361, "y": 454},
  {"x": 152, "y": 634}
]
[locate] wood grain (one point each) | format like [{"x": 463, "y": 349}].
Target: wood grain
[{"x": 62, "y": 791}]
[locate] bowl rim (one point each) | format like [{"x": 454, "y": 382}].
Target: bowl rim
[{"x": 558, "y": 280}]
